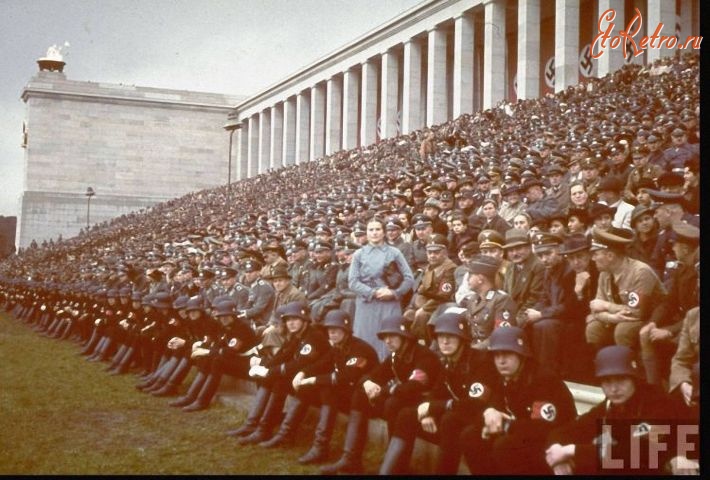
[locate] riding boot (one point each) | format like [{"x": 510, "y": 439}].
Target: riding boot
[
  {"x": 192, "y": 392},
  {"x": 97, "y": 349},
  {"x": 91, "y": 343},
  {"x": 163, "y": 374},
  {"x": 394, "y": 457},
  {"x": 105, "y": 351},
  {"x": 268, "y": 420},
  {"x": 355, "y": 439},
  {"x": 286, "y": 434},
  {"x": 321, "y": 443},
  {"x": 206, "y": 393},
  {"x": 151, "y": 379},
  {"x": 261, "y": 398},
  {"x": 176, "y": 377},
  {"x": 117, "y": 357},
  {"x": 125, "y": 362}
]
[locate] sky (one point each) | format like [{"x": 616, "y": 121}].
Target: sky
[{"x": 236, "y": 47}]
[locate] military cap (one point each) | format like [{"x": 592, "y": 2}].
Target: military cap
[
  {"x": 575, "y": 243},
  {"x": 490, "y": 239},
  {"x": 180, "y": 302},
  {"x": 338, "y": 319},
  {"x": 432, "y": 202},
  {"x": 280, "y": 270},
  {"x": 296, "y": 309},
  {"x": 112, "y": 293},
  {"x": 446, "y": 196},
  {"x": 533, "y": 182},
  {"x": 612, "y": 239},
  {"x": 437, "y": 242},
  {"x": 350, "y": 246},
  {"x": 615, "y": 360},
  {"x": 206, "y": 273},
  {"x": 598, "y": 209},
  {"x": 678, "y": 132},
  {"x": 161, "y": 300},
  {"x": 322, "y": 245},
  {"x": 516, "y": 237},
  {"x": 509, "y": 189},
  {"x": 666, "y": 198},
  {"x": 299, "y": 244},
  {"x": 611, "y": 183},
  {"x": 544, "y": 241},
  {"x": 509, "y": 339},
  {"x": 686, "y": 233},
  {"x": 225, "y": 307},
  {"x": 484, "y": 265},
  {"x": 652, "y": 139},
  {"x": 321, "y": 228},
  {"x": 467, "y": 193},
  {"x": 394, "y": 325},
  {"x": 589, "y": 163},
  {"x": 252, "y": 265},
  {"x": 228, "y": 272},
  {"x": 359, "y": 229},
  {"x": 555, "y": 169},
  {"x": 421, "y": 220},
  {"x": 639, "y": 211},
  {"x": 194, "y": 303},
  {"x": 394, "y": 223},
  {"x": 668, "y": 179},
  {"x": 452, "y": 324},
  {"x": 483, "y": 178}
]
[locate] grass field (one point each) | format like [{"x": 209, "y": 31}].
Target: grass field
[{"x": 60, "y": 414}]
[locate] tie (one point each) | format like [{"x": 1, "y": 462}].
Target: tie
[{"x": 614, "y": 290}]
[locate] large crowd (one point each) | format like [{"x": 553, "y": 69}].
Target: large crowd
[{"x": 447, "y": 281}]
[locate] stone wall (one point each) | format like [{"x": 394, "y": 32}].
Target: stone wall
[{"x": 134, "y": 146}]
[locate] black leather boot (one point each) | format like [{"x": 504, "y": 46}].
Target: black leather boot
[
  {"x": 321, "y": 443},
  {"x": 175, "y": 379},
  {"x": 268, "y": 420},
  {"x": 206, "y": 394},
  {"x": 287, "y": 431},
  {"x": 261, "y": 398},
  {"x": 355, "y": 439},
  {"x": 392, "y": 464},
  {"x": 192, "y": 392}
]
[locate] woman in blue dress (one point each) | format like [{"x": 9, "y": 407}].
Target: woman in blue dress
[{"x": 375, "y": 300}]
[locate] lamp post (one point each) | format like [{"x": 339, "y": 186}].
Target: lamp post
[
  {"x": 231, "y": 126},
  {"x": 89, "y": 193}
]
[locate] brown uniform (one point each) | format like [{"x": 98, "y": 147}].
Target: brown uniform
[
  {"x": 688, "y": 352},
  {"x": 636, "y": 289},
  {"x": 438, "y": 286},
  {"x": 486, "y": 313}
]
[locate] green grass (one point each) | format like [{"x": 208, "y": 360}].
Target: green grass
[{"x": 60, "y": 414}]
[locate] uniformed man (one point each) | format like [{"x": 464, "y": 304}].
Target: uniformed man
[
  {"x": 261, "y": 296},
  {"x": 525, "y": 276},
  {"x": 435, "y": 288},
  {"x": 393, "y": 232},
  {"x": 539, "y": 206},
  {"x": 659, "y": 337},
  {"x": 590, "y": 177},
  {"x": 524, "y": 404},
  {"x": 601, "y": 440},
  {"x": 299, "y": 266},
  {"x": 331, "y": 380},
  {"x": 323, "y": 271},
  {"x": 273, "y": 336},
  {"x": 305, "y": 344},
  {"x": 512, "y": 206},
  {"x": 642, "y": 170},
  {"x": 684, "y": 381},
  {"x": 490, "y": 308},
  {"x": 422, "y": 231},
  {"x": 628, "y": 290},
  {"x": 401, "y": 380},
  {"x": 456, "y": 399},
  {"x": 232, "y": 287}
]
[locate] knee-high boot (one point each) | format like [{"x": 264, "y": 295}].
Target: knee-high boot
[
  {"x": 261, "y": 398},
  {"x": 355, "y": 439},
  {"x": 206, "y": 393},
  {"x": 287, "y": 431},
  {"x": 192, "y": 392},
  {"x": 175, "y": 379},
  {"x": 163, "y": 374},
  {"x": 321, "y": 442},
  {"x": 268, "y": 420},
  {"x": 395, "y": 457}
]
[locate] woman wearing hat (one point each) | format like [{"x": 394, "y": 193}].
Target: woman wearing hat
[
  {"x": 578, "y": 221},
  {"x": 401, "y": 380},
  {"x": 646, "y": 228},
  {"x": 378, "y": 295},
  {"x": 584, "y": 446},
  {"x": 457, "y": 397},
  {"x": 524, "y": 404}
]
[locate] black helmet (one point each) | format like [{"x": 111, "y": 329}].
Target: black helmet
[
  {"x": 453, "y": 324},
  {"x": 394, "y": 325},
  {"x": 615, "y": 360},
  {"x": 338, "y": 319},
  {"x": 294, "y": 309},
  {"x": 509, "y": 339}
]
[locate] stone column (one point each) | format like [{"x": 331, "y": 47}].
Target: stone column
[
  {"x": 611, "y": 59},
  {"x": 243, "y": 151},
  {"x": 368, "y": 105},
  {"x": 411, "y": 86},
  {"x": 289, "y": 132},
  {"x": 317, "y": 137},
  {"x": 528, "y": 73},
  {"x": 277, "y": 136},
  {"x": 264, "y": 140},
  {"x": 660, "y": 11},
  {"x": 253, "y": 147},
  {"x": 351, "y": 86},
  {"x": 334, "y": 114},
  {"x": 389, "y": 94},
  {"x": 566, "y": 44},
  {"x": 436, "y": 93},
  {"x": 493, "y": 53},
  {"x": 463, "y": 64},
  {"x": 302, "y": 127}
]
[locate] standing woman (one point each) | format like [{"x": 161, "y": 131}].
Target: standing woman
[{"x": 375, "y": 300}]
